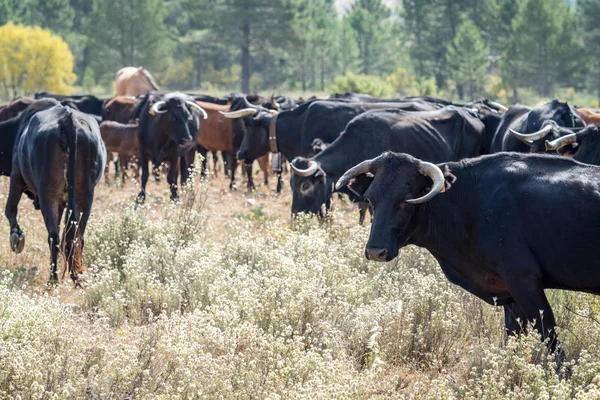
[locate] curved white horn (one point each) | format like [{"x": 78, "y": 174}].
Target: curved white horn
[
  {"x": 310, "y": 171},
  {"x": 198, "y": 108},
  {"x": 246, "y": 112},
  {"x": 528, "y": 137},
  {"x": 498, "y": 106},
  {"x": 156, "y": 107},
  {"x": 352, "y": 173},
  {"x": 561, "y": 142},
  {"x": 437, "y": 176},
  {"x": 250, "y": 105}
]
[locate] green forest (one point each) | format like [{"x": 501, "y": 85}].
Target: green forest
[{"x": 512, "y": 50}]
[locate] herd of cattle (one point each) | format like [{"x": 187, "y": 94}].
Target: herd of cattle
[{"x": 506, "y": 199}]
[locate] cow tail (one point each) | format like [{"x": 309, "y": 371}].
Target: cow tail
[{"x": 71, "y": 220}]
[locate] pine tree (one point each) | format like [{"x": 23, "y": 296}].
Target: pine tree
[
  {"x": 589, "y": 10},
  {"x": 468, "y": 58}
]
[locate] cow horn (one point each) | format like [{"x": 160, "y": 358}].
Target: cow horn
[
  {"x": 310, "y": 171},
  {"x": 197, "y": 107},
  {"x": 246, "y": 112},
  {"x": 437, "y": 176},
  {"x": 561, "y": 142},
  {"x": 542, "y": 133},
  {"x": 156, "y": 107},
  {"x": 498, "y": 106},
  {"x": 352, "y": 173}
]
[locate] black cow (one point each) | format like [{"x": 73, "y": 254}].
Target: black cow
[
  {"x": 57, "y": 158},
  {"x": 492, "y": 223},
  {"x": 521, "y": 128},
  {"x": 86, "y": 103},
  {"x": 583, "y": 146},
  {"x": 168, "y": 128},
  {"x": 443, "y": 135}
]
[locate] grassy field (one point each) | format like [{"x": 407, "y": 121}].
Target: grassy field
[{"x": 218, "y": 298}]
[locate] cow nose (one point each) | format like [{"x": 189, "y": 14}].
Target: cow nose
[{"x": 375, "y": 254}]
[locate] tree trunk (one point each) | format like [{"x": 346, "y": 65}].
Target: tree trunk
[
  {"x": 246, "y": 58},
  {"x": 461, "y": 91}
]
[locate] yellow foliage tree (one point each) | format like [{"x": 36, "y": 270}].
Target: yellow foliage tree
[{"x": 33, "y": 59}]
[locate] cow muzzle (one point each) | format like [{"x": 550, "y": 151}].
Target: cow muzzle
[{"x": 377, "y": 254}]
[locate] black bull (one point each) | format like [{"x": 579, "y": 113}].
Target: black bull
[
  {"x": 443, "y": 135},
  {"x": 503, "y": 227},
  {"x": 168, "y": 129},
  {"x": 529, "y": 122},
  {"x": 57, "y": 158}
]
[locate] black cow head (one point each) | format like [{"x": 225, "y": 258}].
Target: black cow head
[
  {"x": 401, "y": 184},
  {"x": 534, "y": 129},
  {"x": 309, "y": 186},
  {"x": 178, "y": 114}
]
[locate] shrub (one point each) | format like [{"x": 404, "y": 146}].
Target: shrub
[{"x": 357, "y": 83}]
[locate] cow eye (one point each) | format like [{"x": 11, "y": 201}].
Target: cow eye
[{"x": 305, "y": 187}]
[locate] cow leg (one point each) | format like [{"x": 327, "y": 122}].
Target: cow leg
[
  {"x": 187, "y": 161},
  {"x": 145, "y": 175},
  {"x": 263, "y": 162},
  {"x": 172, "y": 176},
  {"x": 50, "y": 212},
  {"x": 203, "y": 164},
  {"x": 15, "y": 191},
  {"x": 248, "y": 169},
  {"x": 215, "y": 159},
  {"x": 75, "y": 243},
  {"x": 532, "y": 304},
  {"x": 279, "y": 183},
  {"x": 233, "y": 163},
  {"x": 123, "y": 162},
  {"x": 117, "y": 162},
  {"x": 226, "y": 155},
  {"x": 108, "y": 155}
]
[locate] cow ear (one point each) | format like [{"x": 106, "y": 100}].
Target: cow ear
[
  {"x": 450, "y": 178},
  {"x": 320, "y": 174},
  {"x": 360, "y": 184}
]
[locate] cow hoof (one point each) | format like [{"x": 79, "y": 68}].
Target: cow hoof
[
  {"x": 17, "y": 242},
  {"x": 232, "y": 188}
]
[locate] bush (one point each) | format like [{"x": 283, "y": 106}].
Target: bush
[
  {"x": 366, "y": 84},
  {"x": 179, "y": 75}
]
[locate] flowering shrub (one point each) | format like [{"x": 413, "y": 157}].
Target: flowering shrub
[{"x": 176, "y": 309}]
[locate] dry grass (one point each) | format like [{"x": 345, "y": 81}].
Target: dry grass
[{"x": 217, "y": 297}]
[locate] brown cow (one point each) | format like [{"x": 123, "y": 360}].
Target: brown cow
[
  {"x": 121, "y": 139},
  {"x": 589, "y": 116},
  {"x": 216, "y": 134},
  {"x": 13, "y": 108},
  {"x": 119, "y": 108},
  {"x": 134, "y": 81}
]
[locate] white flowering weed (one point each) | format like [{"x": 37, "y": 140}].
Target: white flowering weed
[{"x": 175, "y": 307}]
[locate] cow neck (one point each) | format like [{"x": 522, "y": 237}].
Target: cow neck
[
  {"x": 273, "y": 147},
  {"x": 287, "y": 140},
  {"x": 438, "y": 228}
]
